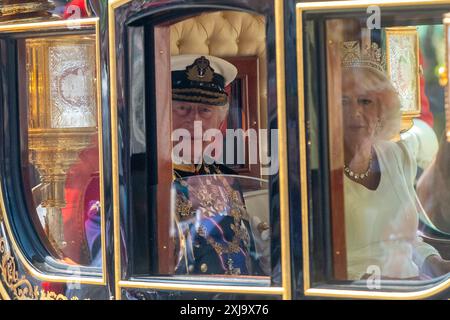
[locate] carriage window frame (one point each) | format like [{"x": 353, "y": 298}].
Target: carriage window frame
[
  {"x": 318, "y": 13},
  {"x": 61, "y": 271},
  {"x": 191, "y": 283}
]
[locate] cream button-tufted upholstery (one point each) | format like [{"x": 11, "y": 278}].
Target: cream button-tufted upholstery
[{"x": 225, "y": 34}]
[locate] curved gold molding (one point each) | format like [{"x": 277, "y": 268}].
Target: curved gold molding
[
  {"x": 19, "y": 285},
  {"x": 338, "y": 293},
  {"x": 24, "y": 26}
]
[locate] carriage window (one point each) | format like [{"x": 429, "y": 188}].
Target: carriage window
[
  {"x": 61, "y": 143},
  {"x": 208, "y": 201},
  {"x": 388, "y": 149}
]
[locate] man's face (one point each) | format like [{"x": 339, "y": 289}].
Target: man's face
[{"x": 185, "y": 113}]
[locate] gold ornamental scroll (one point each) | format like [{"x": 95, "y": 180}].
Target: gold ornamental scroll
[{"x": 62, "y": 116}]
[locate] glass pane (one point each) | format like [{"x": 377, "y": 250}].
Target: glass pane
[
  {"x": 205, "y": 201},
  {"x": 434, "y": 180},
  {"x": 220, "y": 219},
  {"x": 220, "y": 201},
  {"x": 62, "y": 145},
  {"x": 386, "y": 141}
]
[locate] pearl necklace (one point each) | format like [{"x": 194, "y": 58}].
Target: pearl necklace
[{"x": 359, "y": 176}]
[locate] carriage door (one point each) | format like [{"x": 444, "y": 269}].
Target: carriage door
[
  {"x": 52, "y": 239},
  {"x": 360, "y": 247},
  {"x": 189, "y": 228}
]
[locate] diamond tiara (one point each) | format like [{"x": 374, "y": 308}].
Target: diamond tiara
[{"x": 369, "y": 57}]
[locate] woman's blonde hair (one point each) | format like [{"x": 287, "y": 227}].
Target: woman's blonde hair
[{"x": 377, "y": 84}]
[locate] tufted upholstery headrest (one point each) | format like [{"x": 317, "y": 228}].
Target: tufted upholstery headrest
[{"x": 225, "y": 34}]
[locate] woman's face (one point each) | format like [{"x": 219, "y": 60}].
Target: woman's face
[{"x": 360, "y": 111}]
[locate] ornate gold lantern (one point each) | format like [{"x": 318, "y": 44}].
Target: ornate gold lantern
[
  {"x": 402, "y": 60},
  {"x": 12, "y": 11},
  {"x": 62, "y": 119}
]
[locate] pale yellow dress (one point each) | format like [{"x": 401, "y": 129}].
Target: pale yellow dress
[{"x": 382, "y": 224}]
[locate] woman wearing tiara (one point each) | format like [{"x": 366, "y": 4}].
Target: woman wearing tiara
[{"x": 381, "y": 206}]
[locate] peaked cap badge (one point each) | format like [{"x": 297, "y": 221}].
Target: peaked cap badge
[{"x": 200, "y": 70}]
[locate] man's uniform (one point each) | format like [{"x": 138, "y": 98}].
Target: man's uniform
[{"x": 213, "y": 234}]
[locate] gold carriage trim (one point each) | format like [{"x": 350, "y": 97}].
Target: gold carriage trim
[{"x": 20, "y": 286}]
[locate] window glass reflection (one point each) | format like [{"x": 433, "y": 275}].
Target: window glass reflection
[
  {"x": 214, "y": 232},
  {"x": 62, "y": 144},
  {"x": 389, "y": 150},
  {"x": 211, "y": 108}
]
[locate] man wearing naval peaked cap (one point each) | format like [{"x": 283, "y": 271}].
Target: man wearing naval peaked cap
[{"x": 213, "y": 234}]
